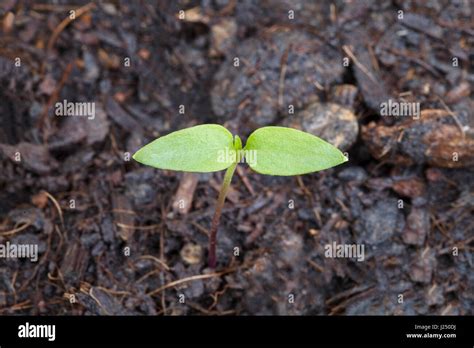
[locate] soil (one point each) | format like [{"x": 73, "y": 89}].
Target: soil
[{"x": 115, "y": 237}]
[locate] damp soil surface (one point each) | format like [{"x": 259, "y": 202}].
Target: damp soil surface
[{"x": 117, "y": 238}]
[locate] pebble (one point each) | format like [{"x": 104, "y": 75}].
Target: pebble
[
  {"x": 223, "y": 37},
  {"x": 344, "y": 95},
  {"x": 417, "y": 226},
  {"x": 191, "y": 253},
  {"x": 331, "y": 122}
]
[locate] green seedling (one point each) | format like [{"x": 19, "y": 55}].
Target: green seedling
[{"x": 211, "y": 147}]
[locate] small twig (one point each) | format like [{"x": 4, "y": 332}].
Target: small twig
[
  {"x": 189, "y": 279},
  {"x": 16, "y": 230},
  {"x": 66, "y": 21},
  {"x": 215, "y": 297},
  {"x": 359, "y": 64},
  {"x": 55, "y": 94},
  {"x": 200, "y": 228},
  {"x": 210, "y": 312},
  {"x": 228, "y": 9},
  {"x": 98, "y": 302},
  {"x": 453, "y": 115},
  {"x": 124, "y": 211},
  {"x": 373, "y": 58},
  {"x": 18, "y": 306},
  {"x": 317, "y": 267},
  {"x": 245, "y": 180},
  {"x": 58, "y": 207},
  {"x": 114, "y": 292},
  {"x": 147, "y": 275},
  {"x": 150, "y": 257},
  {"x": 143, "y": 228}
]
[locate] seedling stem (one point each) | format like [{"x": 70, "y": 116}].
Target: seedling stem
[{"x": 217, "y": 214}]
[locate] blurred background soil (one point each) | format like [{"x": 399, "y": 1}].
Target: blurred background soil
[{"x": 116, "y": 237}]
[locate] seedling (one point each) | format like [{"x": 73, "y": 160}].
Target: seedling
[{"x": 211, "y": 147}]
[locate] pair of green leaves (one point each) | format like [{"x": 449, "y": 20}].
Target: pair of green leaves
[{"x": 205, "y": 148}]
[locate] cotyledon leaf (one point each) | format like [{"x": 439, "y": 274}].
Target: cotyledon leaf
[
  {"x": 287, "y": 151},
  {"x": 195, "y": 149}
]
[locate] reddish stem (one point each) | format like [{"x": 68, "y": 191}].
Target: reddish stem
[{"x": 217, "y": 215}]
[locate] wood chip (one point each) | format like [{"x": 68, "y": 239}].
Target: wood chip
[{"x": 183, "y": 199}]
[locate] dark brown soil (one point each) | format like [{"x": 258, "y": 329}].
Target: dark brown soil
[{"x": 115, "y": 237}]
